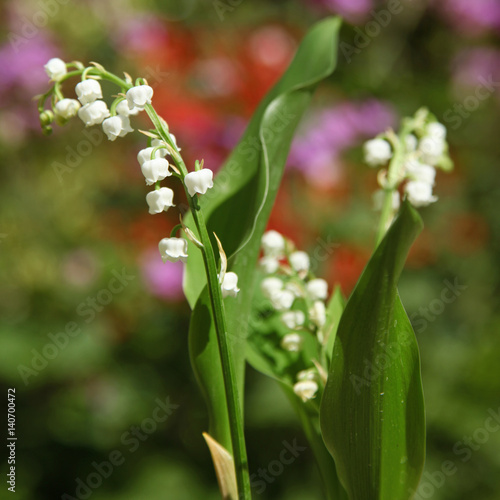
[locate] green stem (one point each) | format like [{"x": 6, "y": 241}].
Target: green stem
[{"x": 230, "y": 385}]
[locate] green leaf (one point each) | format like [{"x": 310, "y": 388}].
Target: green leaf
[
  {"x": 372, "y": 412},
  {"x": 334, "y": 311},
  {"x": 238, "y": 207}
]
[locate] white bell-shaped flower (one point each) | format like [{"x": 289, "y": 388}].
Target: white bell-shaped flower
[
  {"x": 420, "y": 172},
  {"x": 293, "y": 319},
  {"x": 93, "y": 113},
  {"x": 273, "y": 244},
  {"x": 122, "y": 109},
  {"x": 317, "y": 289},
  {"x": 56, "y": 69},
  {"x": 377, "y": 152},
  {"x": 309, "y": 374},
  {"x": 291, "y": 342},
  {"x": 420, "y": 193},
  {"x": 138, "y": 97},
  {"x": 317, "y": 313},
  {"x": 88, "y": 91},
  {"x": 199, "y": 182},
  {"x": 299, "y": 261},
  {"x": 229, "y": 285},
  {"x": 173, "y": 249},
  {"x": 436, "y": 130},
  {"x": 282, "y": 300},
  {"x": 306, "y": 389},
  {"x": 67, "y": 108},
  {"x": 145, "y": 154},
  {"x": 116, "y": 126},
  {"x": 160, "y": 200},
  {"x": 269, "y": 264},
  {"x": 270, "y": 286},
  {"x": 155, "y": 170},
  {"x": 431, "y": 149}
]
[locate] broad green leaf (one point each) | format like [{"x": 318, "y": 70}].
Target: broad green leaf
[
  {"x": 238, "y": 207},
  {"x": 372, "y": 412}
]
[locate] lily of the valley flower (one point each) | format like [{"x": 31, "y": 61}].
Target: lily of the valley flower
[
  {"x": 270, "y": 286},
  {"x": 88, "y": 91},
  {"x": 293, "y": 319},
  {"x": 160, "y": 200},
  {"x": 306, "y": 389},
  {"x": 229, "y": 285},
  {"x": 273, "y": 244},
  {"x": 317, "y": 313},
  {"x": 317, "y": 289},
  {"x": 269, "y": 264},
  {"x": 139, "y": 96},
  {"x": 199, "y": 182},
  {"x": 299, "y": 261},
  {"x": 282, "y": 300},
  {"x": 420, "y": 193},
  {"x": 173, "y": 249},
  {"x": 431, "y": 149},
  {"x": 122, "y": 109},
  {"x": 67, "y": 108},
  {"x": 56, "y": 69},
  {"x": 93, "y": 113},
  {"x": 145, "y": 154},
  {"x": 377, "y": 152},
  {"x": 436, "y": 130},
  {"x": 291, "y": 342},
  {"x": 116, "y": 126},
  {"x": 155, "y": 170},
  {"x": 420, "y": 172}
]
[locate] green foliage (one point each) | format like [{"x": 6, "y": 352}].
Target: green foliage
[{"x": 372, "y": 412}]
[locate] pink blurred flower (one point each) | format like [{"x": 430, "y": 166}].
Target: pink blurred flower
[
  {"x": 472, "y": 65},
  {"x": 162, "y": 279},
  {"x": 140, "y": 34},
  {"x": 354, "y": 11}
]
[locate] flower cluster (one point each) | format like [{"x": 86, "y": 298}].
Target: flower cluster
[
  {"x": 115, "y": 121},
  {"x": 297, "y": 296},
  {"x": 413, "y": 157}
]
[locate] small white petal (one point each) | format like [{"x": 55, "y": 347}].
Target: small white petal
[
  {"x": 377, "y": 152},
  {"x": 116, "y": 126},
  {"x": 306, "y": 389},
  {"x": 291, "y": 342},
  {"x": 93, "y": 113},
  {"x": 229, "y": 285},
  {"x": 293, "y": 319},
  {"x": 431, "y": 149},
  {"x": 139, "y": 96},
  {"x": 56, "y": 69},
  {"x": 270, "y": 286},
  {"x": 199, "y": 182},
  {"x": 67, "y": 108},
  {"x": 173, "y": 249},
  {"x": 420, "y": 172},
  {"x": 273, "y": 244},
  {"x": 419, "y": 193},
  {"x": 155, "y": 170},
  {"x": 436, "y": 130},
  {"x": 160, "y": 200},
  {"x": 299, "y": 261},
  {"x": 282, "y": 300},
  {"x": 88, "y": 91},
  {"x": 269, "y": 264},
  {"x": 317, "y": 289}
]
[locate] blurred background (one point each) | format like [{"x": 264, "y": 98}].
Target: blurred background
[{"x": 93, "y": 331}]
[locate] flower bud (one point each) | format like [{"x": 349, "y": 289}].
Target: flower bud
[
  {"x": 299, "y": 261},
  {"x": 306, "y": 389},
  {"x": 291, "y": 342},
  {"x": 317, "y": 289},
  {"x": 56, "y": 69},
  {"x": 173, "y": 249},
  {"x": 431, "y": 149},
  {"x": 199, "y": 182},
  {"x": 160, "y": 200},
  {"x": 273, "y": 244},
  {"x": 420, "y": 193},
  {"x": 269, "y": 264},
  {"x": 116, "y": 126},
  {"x": 67, "y": 108},
  {"x": 282, "y": 300},
  {"x": 377, "y": 152},
  {"x": 93, "y": 113},
  {"x": 317, "y": 313},
  {"x": 88, "y": 91},
  {"x": 139, "y": 96},
  {"x": 229, "y": 285},
  {"x": 46, "y": 118},
  {"x": 436, "y": 130},
  {"x": 420, "y": 172},
  {"x": 293, "y": 319},
  {"x": 155, "y": 170}
]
